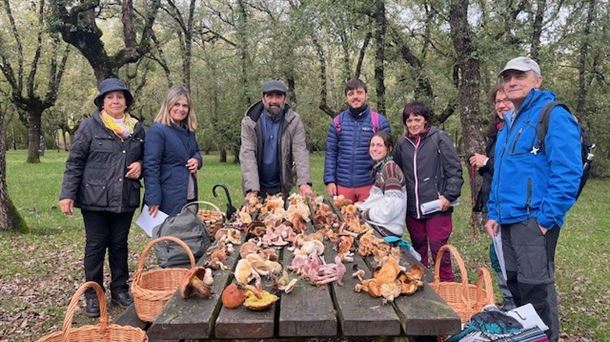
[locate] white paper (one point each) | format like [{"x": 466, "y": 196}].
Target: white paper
[
  {"x": 434, "y": 206},
  {"x": 497, "y": 241},
  {"x": 527, "y": 316},
  {"x": 147, "y": 222}
]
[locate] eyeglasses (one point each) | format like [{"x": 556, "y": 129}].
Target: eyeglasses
[{"x": 502, "y": 101}]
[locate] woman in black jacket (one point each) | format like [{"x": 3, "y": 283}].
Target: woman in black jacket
[
  {"x": 102, "y": 179},
  {"x": 432, "y": 172}
]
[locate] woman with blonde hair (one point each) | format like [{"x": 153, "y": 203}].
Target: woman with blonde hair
[{"x": 171, "y": 155}]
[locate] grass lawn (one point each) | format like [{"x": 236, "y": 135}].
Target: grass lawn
[{"x": 40, "y": 271}]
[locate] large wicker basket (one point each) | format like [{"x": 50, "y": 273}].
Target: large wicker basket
[
  {"x": 213, "y": 219},
  {"x": 152, "y": 289},
  {"x": 100, "y": 332},
  {"x": 466, "y": 299}
]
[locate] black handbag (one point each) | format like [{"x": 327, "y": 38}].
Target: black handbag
[{"x": 187, "y": 227}]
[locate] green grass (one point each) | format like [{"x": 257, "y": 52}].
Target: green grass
[{"x": 40, "y": 271}]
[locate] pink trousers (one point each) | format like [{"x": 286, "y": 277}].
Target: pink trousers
[
  {"x": 432, "y": 233},
  {"x": 358, "y": 194}
]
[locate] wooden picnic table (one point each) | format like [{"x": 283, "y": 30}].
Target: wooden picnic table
[{"x": 308, "y": 311}]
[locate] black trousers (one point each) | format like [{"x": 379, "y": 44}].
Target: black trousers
[
  {"x": 107, "y": 230},
  {"x": 530, "y": 268}
]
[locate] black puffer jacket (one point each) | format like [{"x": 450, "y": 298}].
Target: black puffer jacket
[
  {"x": 431, "y": 167},
  {"x": 95, "y": 171}
]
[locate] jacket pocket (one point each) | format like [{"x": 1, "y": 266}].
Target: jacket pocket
[
  {"x": 103, "y": 143},
  {"x": 133, "y": 194},
  {"x": 94, "y": 193}
]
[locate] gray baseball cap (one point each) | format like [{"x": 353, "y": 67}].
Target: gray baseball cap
[
  {"x": 522, "y": 64},
  {"x": 274, "y": 86}
]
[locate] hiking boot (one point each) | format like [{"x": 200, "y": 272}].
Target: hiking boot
[
  {"x": 92, "y": 308},
  {"x": 123, "y": 299}
]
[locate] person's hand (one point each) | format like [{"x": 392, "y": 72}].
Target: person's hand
[
  {"x": 305, "y": 189},
  {"x": 478, "y": 160},
  {"x": 543, "y": 230},
  {"x": 153, "y": 210},
  {"x": 134, "y": 170},
  {"x": 251, "y": 194},
  {"x": 492, "y": 228},
  {"x": 192, "y": 164},
  {"x": 444, "y": 203},
  {"x": 331, "y": 189},
  {"x": 67, "y": 206}
]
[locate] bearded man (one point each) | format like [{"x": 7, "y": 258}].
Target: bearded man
[{"x": 273, "y": 152}]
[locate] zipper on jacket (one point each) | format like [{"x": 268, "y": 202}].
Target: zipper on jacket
[
  {"x": 516, "y": 140},
  {"x": 416, "y": 147},
  {"x": 528, "y": 198}
]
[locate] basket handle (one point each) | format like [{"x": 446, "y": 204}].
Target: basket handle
[
  {"x": 149, "y": 246},
  {"x": 214, "y": 206},
  {"x": 485, "y": 286},
  {"x": 65, "y": 331},
  {"x": 460, "y": 262}
]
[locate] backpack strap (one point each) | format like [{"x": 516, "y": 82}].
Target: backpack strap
[
  {"x": 542, "y": 126},
  {"x": 337, "y": 124},
  {"x": 375, "y": 121}
]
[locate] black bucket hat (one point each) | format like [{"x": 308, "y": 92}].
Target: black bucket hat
[{"x": 112, "y": 84}]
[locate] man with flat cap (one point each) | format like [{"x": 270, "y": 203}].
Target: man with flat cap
[
  {"x": 534, "y": 185},
  {"x": 273, "y": 153}
]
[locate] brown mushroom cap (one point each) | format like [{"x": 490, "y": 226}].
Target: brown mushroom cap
[{"x": 192, "y": 284}]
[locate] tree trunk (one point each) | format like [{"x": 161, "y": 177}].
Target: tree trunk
[
  {"x": 34, "y": 133},
  {"x": 537, "y": 28},
  {"x": 222, "y": 157},
  {"x": 323, "y": 81},
  {"x": 9, "y": 216},
  {"x": 468, "y": 87},
  {"x": 380, "y": 31},
  {"x": 582, "y": 60}
]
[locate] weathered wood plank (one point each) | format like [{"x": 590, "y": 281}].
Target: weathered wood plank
[
  {"x": 424, "y": 313},
  {"x": 129, "y": 317},
  {"x": 242, "y": 323},
  {"x": 193, "y": 318},
  {"x": 306, "y": 311},
  {"x": 359, "y": 313}
]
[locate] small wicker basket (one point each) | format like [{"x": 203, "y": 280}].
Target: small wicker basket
[
  {"x": 213, "y": 219},
  {"x": 100, "y": 332},
  {"x": 152, "y": 289},
  {"x": 465, "y": 299}
]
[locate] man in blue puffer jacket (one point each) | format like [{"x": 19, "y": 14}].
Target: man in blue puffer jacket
[
  {"x": 533, "y": 189},
  {"x": 347, "y": 163}
]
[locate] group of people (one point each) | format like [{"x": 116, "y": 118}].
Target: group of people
[
  {"x": 110, "y": 154},
  {"x": 526, "y": 191}
]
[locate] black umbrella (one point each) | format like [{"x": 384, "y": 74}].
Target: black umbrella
[{"x": 230, "y": 208}]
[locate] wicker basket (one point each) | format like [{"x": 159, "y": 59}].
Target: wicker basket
[
  {"x": 466, "y": 299},
  {"x": 152, "y": 289},
  {"x": 100, "y": 332},
  {"x": 213, "y": 219}
]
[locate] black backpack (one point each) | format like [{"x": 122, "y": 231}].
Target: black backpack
[{"x": 586, "y": 147}]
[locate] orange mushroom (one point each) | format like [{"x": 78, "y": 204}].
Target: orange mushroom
[{"x": 232, "y": 297}]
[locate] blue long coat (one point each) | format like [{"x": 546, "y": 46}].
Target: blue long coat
[{"x": 166, "y": 151}]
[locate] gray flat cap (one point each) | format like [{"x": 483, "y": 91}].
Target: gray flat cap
[{"x": 276, "y": 86}]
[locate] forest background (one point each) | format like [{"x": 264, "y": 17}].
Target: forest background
[{"x": 53, "y": 53}]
